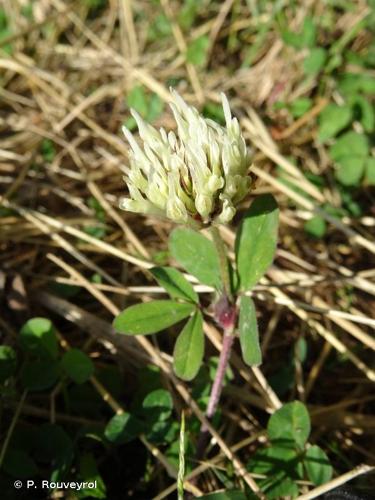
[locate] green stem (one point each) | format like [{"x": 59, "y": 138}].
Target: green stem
[{"x": 223, "y": 261}]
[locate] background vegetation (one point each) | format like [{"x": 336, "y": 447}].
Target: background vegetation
[{"x": 80, "y": 402}]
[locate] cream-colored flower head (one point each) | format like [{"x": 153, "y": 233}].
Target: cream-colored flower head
[{"x": 194, "y": 176}]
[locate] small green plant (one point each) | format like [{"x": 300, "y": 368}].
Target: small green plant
[
  {"x": 197, "y": 178},
  {"x": 289, "y": 458}
]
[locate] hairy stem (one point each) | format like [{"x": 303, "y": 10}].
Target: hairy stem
[
  {"x": 215, "y": 391},
  {"x": 220, "y": 374}
]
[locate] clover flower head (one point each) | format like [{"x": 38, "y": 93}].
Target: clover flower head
[{"x": 196, "y": 175}]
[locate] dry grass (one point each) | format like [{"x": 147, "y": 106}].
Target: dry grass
[{"x": 65, "y": 81}]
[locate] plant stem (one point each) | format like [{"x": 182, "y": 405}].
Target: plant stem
[
  {"x": 226, "y": 317},
  {"x": 216, "y": 390},
  {"x": 223, "y": 261},
  {"x": 220, "y": 374}
]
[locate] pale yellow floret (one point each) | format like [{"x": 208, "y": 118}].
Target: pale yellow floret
[{"x": 194, "y": 175}]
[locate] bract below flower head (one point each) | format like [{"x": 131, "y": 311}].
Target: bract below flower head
[{"x": 196, "y": 175}]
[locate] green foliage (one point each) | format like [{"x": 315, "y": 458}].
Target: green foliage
[
  {"x": 41, "y": 368},
  {"x": 159, "y": 28},
  {"x": 214, "y": 111},
  {"x": 315, "y": 61},
  {"x": 5, "y": 32},
  {"x": 8, "y": 362},
  {"x": 333, "y": 119},
  {"x": 290, "y": 423},
  {"x": 365, "y": 109},
  {"x": 370, "y": 171},
  {"x": 306, "y": 38},
  {"x": 149, "y": 106},
  {"x": 196, "y": 254},
  {"x": 284, "y": 461},
  {"x": 189, "y": 348},
  {"x": 88, "y": 472},
  {"x": 77, "y": 365},
  {"x": 188, "y": 13},
  {"x": 48, "y": 150},
  {"x": 175, "y": 283},
  {"x": 350, "y": 153},
  {"x": 317, "y": 465},
  {"x": 158, "y": 405},
  {"x": 256, "y": 240},
  {"x": 300, "y": 106},
  {"x": 151, "y": 317},
  {"x": 316, "y": 226},
  {"x": 38, "y": 336},
  {"x": 249, "y": 335},
  {"x": 123, "y": 428},
  {"x": 39, "y": 374},
  {"x": 197, "y": 51}
]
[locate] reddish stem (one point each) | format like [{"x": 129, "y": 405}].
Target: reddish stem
[
  {"x": 220, "y": 374},
  {"x": 216, "y": 390}
]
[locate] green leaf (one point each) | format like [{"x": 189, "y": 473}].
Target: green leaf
[
  {"x": 187, "y": 14},
  {"x": 279, "y": 486},
  {"x": 292, "y": 39},
  {"x": 88, "y": 472},
  {"x": 197, "y": 50},
  {"x": 249, "y": 334},
  {"x": 161, "y": 400},
  {"x": 300, "y": 349},
  {"x": 162, "y": 432},
  {"x": 8, "y": 362},
  {"x": 300, "y": 106},
  {"x": 308, "y": 35},
  {"x": 316, "y": 227},
  {"x": 350, "y": 152},
  {"x": 123, "y": 428},
  {"x": 350, "y": 144},
  {"x": 137, "y": 99},
  {"x": 225, "y": 495},
  {"x": 196, "y": 254},
  {"x": 40, "y": 374},
  {"x": 317, "y": 465},
  {"x": 274, "y": 458},
  {"x": 159, "y": 28},
  {"x": 290, "y": 423},
  {"x": 189, "y": 348},
  {"x": 38, "y": 335},
  {"x": 367, "y": 113},
  {"x": 350, "y": 170},
  {"x": 281, "y": 465},
  {"x": 151, "y": 317},
  {"x": 256, "y": 240},
  {"x": 174, "y": 283},
  {"x": 214, "y": 111},
  {"x": 333, "y": 119},
  {"x": 77, "y": 365},
  {"x": 48, "y": 150},
  {"x": 314, "y": 62},
  {"x": 350, "y": 83},
  {"x": 155, "y": 107},
  {"x": 370, "y": 171}
]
